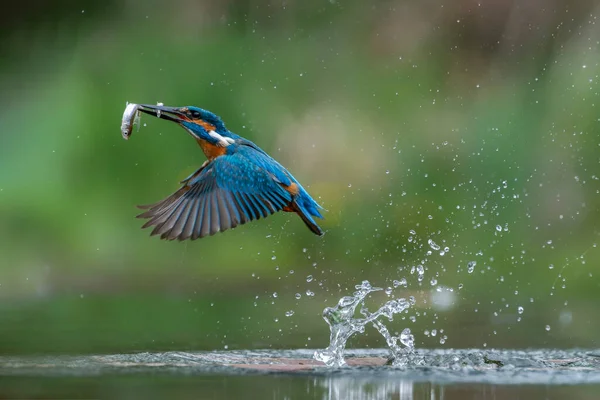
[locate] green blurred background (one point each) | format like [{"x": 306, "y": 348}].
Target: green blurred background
[{"x": 473, "y": 124}]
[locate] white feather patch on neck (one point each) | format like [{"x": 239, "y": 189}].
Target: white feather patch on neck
[{"x": 223, "y": 141}]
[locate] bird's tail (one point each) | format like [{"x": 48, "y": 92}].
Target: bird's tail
[
  {"x": 316, "y": 229},
  {"x": 305, "y": 215}
]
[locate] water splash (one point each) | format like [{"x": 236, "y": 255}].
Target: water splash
[{"x": 343, "y": 325}]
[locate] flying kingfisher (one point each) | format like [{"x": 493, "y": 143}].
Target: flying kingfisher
[{"x": 239, "y": 182}]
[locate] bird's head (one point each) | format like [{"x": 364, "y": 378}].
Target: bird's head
[{"x": 200, "y": 123}]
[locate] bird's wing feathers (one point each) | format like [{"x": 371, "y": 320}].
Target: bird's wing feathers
[
  {"x": 228, "y": 191},
  {"x": 266, "y": 162}
]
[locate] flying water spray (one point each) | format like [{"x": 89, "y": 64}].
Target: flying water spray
[{"x": 343, "y": 324}]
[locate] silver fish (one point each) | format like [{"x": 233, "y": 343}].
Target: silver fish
[{"x": 131, "y": 117}]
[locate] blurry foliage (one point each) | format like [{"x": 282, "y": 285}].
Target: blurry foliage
[{"x": 447, "y": 118}]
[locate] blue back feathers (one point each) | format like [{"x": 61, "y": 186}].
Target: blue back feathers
[{"x": 259, "y": 157}]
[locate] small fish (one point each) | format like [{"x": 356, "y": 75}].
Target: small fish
[{"x": 131, "y": 117}]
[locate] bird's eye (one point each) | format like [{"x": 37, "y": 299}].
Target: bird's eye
[{"x": 195, "y": 114}]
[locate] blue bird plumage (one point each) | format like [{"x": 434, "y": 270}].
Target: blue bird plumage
[{"x": 238, "y": 183}]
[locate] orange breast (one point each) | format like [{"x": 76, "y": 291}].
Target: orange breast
[{"x": 210, "y": 150}]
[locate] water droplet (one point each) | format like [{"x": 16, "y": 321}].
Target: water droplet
[
  {"x": 275, "y": 294},
  {"x": 548, "y": 328},
  {"x": 433, "y": 245},
  {"x": 401, "y": 282},
  {"x": 309, "y": 278},
  {"x": 298, "y": 296},
  {"x": 420, "y": 269},
  {"x": 407, "y": 339},
  {"x": 520, "y": 310},
  {"x": 498, "y": 228},
  {"x": 289, "y": 313},
  {"x": 471, "y": 266}
]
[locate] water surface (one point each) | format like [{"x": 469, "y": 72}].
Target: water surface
[{"x": 439, "y": 374}]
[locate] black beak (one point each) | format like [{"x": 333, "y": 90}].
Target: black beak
[{"x": 168, "y": 113}]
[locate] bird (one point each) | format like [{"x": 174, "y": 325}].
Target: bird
[{"x": 238, "y": 183}]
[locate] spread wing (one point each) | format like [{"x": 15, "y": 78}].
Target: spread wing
[{"x": 228, "y": 191}]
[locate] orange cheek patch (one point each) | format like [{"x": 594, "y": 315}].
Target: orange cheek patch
[
  {"x": 208, "y": 127},
  {"x": 210, "y": 150}
]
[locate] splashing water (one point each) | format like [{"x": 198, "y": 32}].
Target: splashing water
[{"x": 343, "y": 325}]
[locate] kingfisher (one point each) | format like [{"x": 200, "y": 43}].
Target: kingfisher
[{"x": 239, "y": 182}]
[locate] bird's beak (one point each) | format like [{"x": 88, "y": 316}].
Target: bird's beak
[{"x": 168, "y": 113}]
